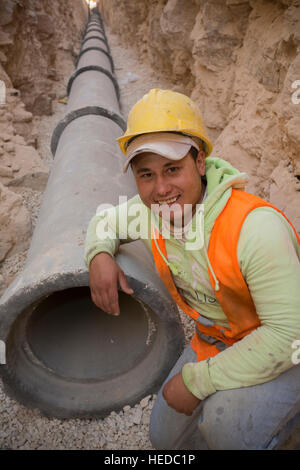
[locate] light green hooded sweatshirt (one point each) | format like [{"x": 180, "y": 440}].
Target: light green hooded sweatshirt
[{"x": 268, "y": 254}]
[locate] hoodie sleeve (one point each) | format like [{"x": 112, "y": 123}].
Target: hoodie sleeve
[
  {"x": 269, "y": 255},
  {"x": 116, "y": 225}
]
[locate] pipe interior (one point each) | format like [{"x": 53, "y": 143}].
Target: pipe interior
[{"x": 68, "y": 334}]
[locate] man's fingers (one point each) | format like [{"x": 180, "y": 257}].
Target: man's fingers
[
  {"x": 110, "y": 302},
  {"x": 124, "y": 283},
  {"x": 114, "y": 301},
  {"x": 105, "y": 291},
  {"x": 101, "y": 301},
  {"x": 107, "y": 300}
]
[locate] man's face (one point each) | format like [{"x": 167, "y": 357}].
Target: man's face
[{"x": 168, "y": 184}]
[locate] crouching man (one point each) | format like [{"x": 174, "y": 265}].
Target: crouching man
[{"x": 230, "y": 260}]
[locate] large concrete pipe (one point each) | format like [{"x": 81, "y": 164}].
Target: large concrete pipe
[{"x": 63, "y": 354}]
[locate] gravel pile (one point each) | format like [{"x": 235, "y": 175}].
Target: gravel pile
[{"x": 27, "y": 429}]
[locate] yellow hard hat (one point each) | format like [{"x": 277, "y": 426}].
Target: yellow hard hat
[{"x": 165, "y": 111}]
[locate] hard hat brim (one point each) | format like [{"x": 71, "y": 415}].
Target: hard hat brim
[
  {"x": 123, "y": 140},
  {"x": 166, "y": 144}
]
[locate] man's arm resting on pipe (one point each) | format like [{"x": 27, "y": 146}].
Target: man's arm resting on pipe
[
  {"x": 106, "y": 231},
  {"x": 111, "y": 227}
]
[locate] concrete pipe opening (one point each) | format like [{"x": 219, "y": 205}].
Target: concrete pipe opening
[
  {"x": 68, "y": 358},
  {"x": 73, "y": 338}
]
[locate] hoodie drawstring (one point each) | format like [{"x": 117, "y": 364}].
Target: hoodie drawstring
[
  {"x": 174, "y": 269},
  {"x": 217, "y": 285}
]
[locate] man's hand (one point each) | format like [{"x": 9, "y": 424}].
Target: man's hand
[
  {"x": 179, "y": 397},
  {"x": 105, "y": 276}
]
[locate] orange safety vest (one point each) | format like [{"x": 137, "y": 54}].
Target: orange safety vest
[{"x": 233, "y": 294}]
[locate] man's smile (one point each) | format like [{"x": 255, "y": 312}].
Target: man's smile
[{"x": 168, "y": 201}]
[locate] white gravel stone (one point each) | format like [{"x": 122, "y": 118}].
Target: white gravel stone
[
  {"x": 144, "y": 402},
  {"x": 137, "y": 416}
]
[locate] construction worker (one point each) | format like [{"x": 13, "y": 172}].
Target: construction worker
[{"x": 230, "y": 260}]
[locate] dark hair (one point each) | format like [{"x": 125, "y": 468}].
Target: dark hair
[{"x": 194, "y": 153}]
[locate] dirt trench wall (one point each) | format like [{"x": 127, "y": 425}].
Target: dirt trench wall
[
  {"x": 239, "y": 60},
  {"x": 39, "y": 41},
  {"x": 35, "y": 38}
]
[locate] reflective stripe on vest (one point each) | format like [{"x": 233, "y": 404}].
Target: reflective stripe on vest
[{"x": 233, "y": 294}]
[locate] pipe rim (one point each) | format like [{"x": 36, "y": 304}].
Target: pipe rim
[
  {"x": 95, "y": 48},
  {"x": 94, "y": 37},
  {"x": 95, "y": 68},
  {"x": 97, "y": 30},
  {"x": 96, "y": 110}
]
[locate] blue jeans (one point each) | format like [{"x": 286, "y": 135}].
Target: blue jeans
[{"x": 258, "y": 417}]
